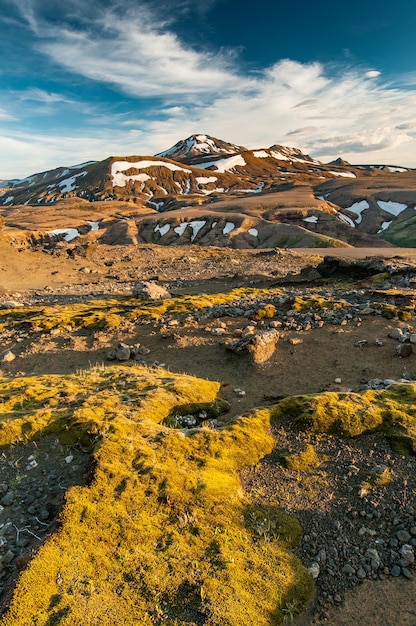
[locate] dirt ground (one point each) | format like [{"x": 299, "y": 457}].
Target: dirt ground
[{"x": 324, "y": 356}]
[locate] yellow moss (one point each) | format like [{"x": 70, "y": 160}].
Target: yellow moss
[
  {"x": 110, "y": 313},
  {"x": 306, "y": 459},
  {"x": 267, "y": 312},
  {"x": 353, "y": 414},
  {"x": 313, "y": 302},
  {"x": 164, "y": 532}
]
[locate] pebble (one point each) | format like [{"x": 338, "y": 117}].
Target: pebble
[{"x": 403, "y": 536}]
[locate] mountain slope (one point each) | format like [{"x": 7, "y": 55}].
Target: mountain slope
[{"x": 358, "y": 205}]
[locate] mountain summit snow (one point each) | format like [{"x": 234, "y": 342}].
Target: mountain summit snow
[{"x": 200, "y": 145}]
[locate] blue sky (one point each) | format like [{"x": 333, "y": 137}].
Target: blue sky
[{"x": 87, "y": 80}]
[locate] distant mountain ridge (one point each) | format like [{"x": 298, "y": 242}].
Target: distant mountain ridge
[{"x": 354, "y": 204}]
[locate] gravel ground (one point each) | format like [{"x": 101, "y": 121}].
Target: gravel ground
[
  {"x": 357, "y": 510},
  {"x": 34, "y": 479}
]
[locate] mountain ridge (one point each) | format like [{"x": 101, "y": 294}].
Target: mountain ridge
[{"x": 201, "y": 176}]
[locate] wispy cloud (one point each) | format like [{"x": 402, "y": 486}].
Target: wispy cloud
[
  {"x": 332, "y": 111},
  {"x": 6, "y": 116},
  {"x": 45, "y": 97}
]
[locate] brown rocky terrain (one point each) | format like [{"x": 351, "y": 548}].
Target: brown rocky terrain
[
  {"x": 335, "y": 325},
  {"x": 209, "y": 192}
]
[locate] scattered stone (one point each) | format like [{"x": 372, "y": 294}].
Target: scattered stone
[
  {"x": 240, "y": 393},
  {"x": 314, "y": 570},
  {"x": 123, "y": 352},
  {"x": 11, "y": 304},
  {"x": 403, "y": 536},
  {"x": 8, "y": 357},
  {"x": 404, "y": 350},
  {"x": 149, "y": 290},
  {"x": 361, "y": 343},
  {"x": 399, "y": 334},
  {"x": 8, "y": 499},
  {"x": 294, "y": 341}
]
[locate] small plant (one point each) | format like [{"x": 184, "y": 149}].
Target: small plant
[
  {"x": 306, "y": 459},
  {"x": 291, "y": 610}
]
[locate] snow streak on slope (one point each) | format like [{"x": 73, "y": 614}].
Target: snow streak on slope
[
  {"x": 224, "y": 165},
  {"x": 394, "y": 208},
  {"x": 120, "y": 179},
  {"x": 358, "y": 208}
]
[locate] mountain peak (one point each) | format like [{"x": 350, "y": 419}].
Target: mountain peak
[{"x": 200, "y": 145}]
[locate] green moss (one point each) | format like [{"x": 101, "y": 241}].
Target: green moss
[{"x": 164, "y": 532}]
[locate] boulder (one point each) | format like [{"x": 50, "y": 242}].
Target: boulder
[
  {"x": 260, "y": 346},
  {"x": 149, "y": 290}
]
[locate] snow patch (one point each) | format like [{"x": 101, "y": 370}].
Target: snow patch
[
  {"x": 157, "y": 205},
  {"x": 94, "y": 225},
  {"x": 70, "y": 233},
  {"x": 346, "y": 219},
  {"x": 204, "y": 180},
  {"x": 181, "y": 228},
  {"x": 394, "y": 208},
  {"x": 196, "y": 226},
  {"x": 312, "y": 219},
  {"x": 258, "y": 189},
  {"x": 384, "y": 226},
  {"x": 165, "y": 228},
  {"x": 69, "y": 184},
  {"x": 8, "y": 199},
  {"x": 120, "y": 179},
  {"x": 253, "y": 231},
  {"x": 344, "y": 174},
  {"x": 261, "y": 154},
  {"x": 228, "y": 228},
  {"x": 358, "y": 208},
  {"x": 224, "y": 165},
  {"x": 279, "y": 156},
  {"x": 396, "y": 169}
]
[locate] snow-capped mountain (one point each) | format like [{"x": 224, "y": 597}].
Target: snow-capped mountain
[
  {"x": 349, "y": 202},
  {"x": 199, "y": 145}
]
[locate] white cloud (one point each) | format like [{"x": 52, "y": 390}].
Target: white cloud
[
  {"x": 332, "y": 113},
  {"x": 39, "y": 95},
  {"x": 6, "y": 116}
]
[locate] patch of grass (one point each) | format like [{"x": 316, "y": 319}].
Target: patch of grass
[
  {"x": 164, "y": 532},
  {"x": 306, "y": 459},
  {"x": 376, "y": 481}
]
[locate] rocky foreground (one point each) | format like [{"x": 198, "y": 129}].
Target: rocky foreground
[{"x": 275, "y": 325}]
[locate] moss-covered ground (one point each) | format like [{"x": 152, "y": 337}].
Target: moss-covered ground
[
  {"x": 164, "y": 532},
  {"x": 392, "y": 411},
  {"x": 111, "y": 312}
]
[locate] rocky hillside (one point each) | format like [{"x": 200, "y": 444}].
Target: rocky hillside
[{"x": 275, "y": 196}]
